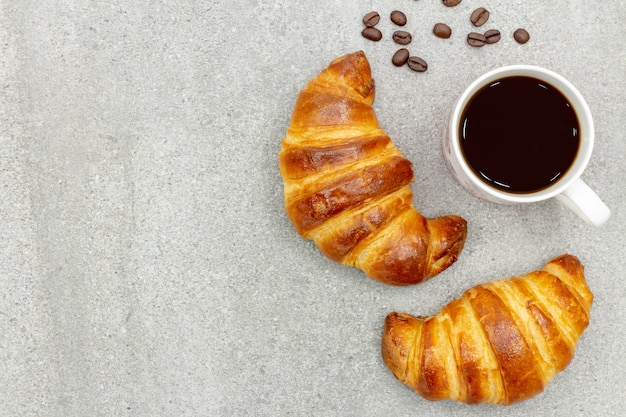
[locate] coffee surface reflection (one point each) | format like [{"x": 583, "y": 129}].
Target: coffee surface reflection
[{"x": 519, "y": 134}]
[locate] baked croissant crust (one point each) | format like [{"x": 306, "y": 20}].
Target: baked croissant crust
[
  {"x": 346, "y": 185},
  {"x": 499, "y": 343}
]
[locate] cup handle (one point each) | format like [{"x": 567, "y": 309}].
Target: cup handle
[{"x": 583, "y": 201}]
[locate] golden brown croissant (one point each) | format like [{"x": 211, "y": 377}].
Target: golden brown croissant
[
  {"x": 499, "y": 343},
  {"x": 347, "y": 185}
]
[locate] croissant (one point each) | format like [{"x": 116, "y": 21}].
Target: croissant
[
  {"x": 499, "y": 343},
  {"x": 346, "y": 185}
]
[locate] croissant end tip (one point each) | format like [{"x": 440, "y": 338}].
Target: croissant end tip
[
  {"x": 354, "y": 71},
  {"x": 568, "y": 262},
  {"x": 450, "y": 233},
  {"x": 398, "y": 338}
]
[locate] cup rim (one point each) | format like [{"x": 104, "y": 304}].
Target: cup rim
[{"x": 576, "y": 100}]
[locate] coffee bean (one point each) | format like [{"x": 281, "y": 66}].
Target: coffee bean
[
  {"x": 451, "y": 3},
  {"x": 371, "y": 19},
  {"x": 479, "y": 16},
  {"x": 492, "y": 35},
  {"x": 372, "y": 34},
  {"x": 398, "y": 18},
  {"x": 521, "y": 36},
  {"x": 441, "y": 30},
  {"x": 400, "y": 57},
  {"x": 417, "y": 64},
  {"x": 402, "y": 37},
  {"x": 476, "y": 39}
]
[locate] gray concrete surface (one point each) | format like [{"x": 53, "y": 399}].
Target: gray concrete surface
[{"x": 147, "y": 267}]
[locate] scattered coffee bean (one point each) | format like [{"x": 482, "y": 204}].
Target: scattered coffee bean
[
  {"x": 492, "y": 35},
  {"x": 441, "y": 30},
  {"x": 417, "y": 64},
  {"x": 398, "y": 18},
  {"x": 402, "y": 37},
  {"x": 372, "y": 34},
  {"x": 521, "y": 36},
  {"x": 476, "y": 39},
  {"x": 400, "y": 57},
  {"x": 371, "y": 19},
  {"x": 479, "y": 16}
]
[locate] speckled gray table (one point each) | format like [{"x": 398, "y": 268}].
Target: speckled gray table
[{"x": 147, "y": 267}]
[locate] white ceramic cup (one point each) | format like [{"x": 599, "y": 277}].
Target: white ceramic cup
[{"x": 569, "y": 189}]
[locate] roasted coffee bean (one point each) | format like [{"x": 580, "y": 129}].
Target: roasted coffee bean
[
  {"x": 372, "y": 34},
  {"x": 479, "y": 16},
  {"x": 371, "y": 19},
  {"x": 417, "y": 64},
  {"x": 451, "y": 3},
  {"x": 402, "y": 37},
  {"x": 521, "y": 36},
  {"x": 476, "y": 39},
  {"x": 400, "y": 57},
  {"x": 441, "y": 30},
  {"x": 398, "y": 18},
  {"x": 492, "y": 35}
]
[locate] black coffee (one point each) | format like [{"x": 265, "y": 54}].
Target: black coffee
[{"x": 519, "y": 134}]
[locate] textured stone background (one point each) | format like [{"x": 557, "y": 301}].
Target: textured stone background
[{"x": 147, "y": 267}]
